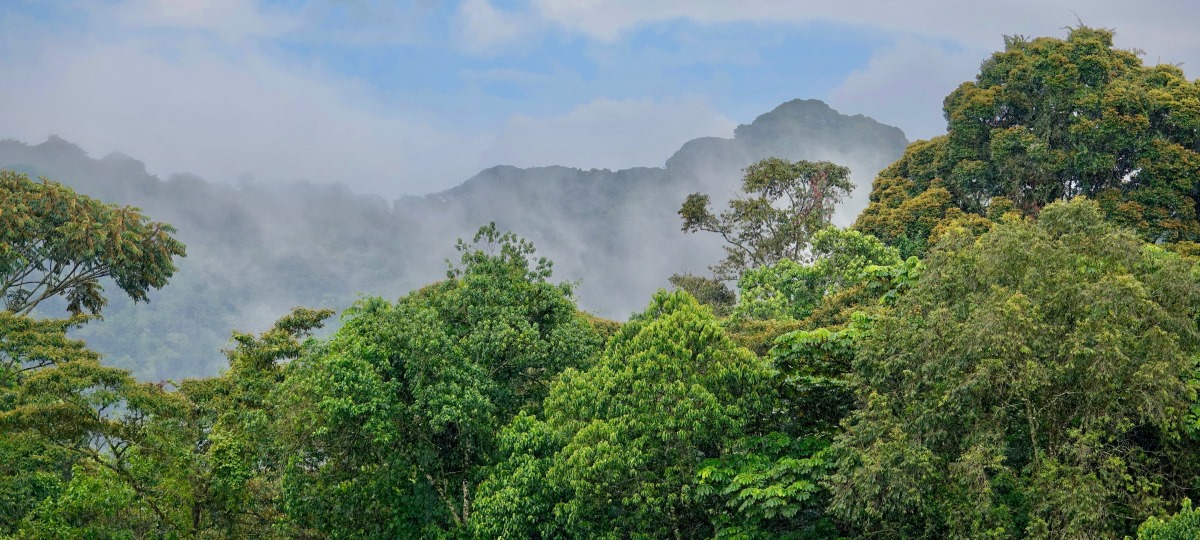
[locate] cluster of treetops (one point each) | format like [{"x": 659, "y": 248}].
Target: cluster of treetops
[{"x": 1005, "y": 345}]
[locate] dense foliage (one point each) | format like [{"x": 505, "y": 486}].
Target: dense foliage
[
  {"x": 1031, "y": 369},
  {"x": 394, "y": 420},
  {"x": 1049, "y": 119},
  {"x": 1033, "y": 383}
]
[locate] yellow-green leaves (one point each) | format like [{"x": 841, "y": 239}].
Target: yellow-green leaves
[
  {"x": 1050, "y": 119},
  {"x": 54, "y": 242}
]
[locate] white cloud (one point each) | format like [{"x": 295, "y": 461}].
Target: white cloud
[
  {"x": 1165, "y": 30},
  {"x": 483, "y": 29},
  {"x": 198, "y": 111},
  {"x": 193, "y": 85},
  {"x": 904, "y": 84},
  {"x": 605, "y": 133},
  {"x": 230, "y": 19}
]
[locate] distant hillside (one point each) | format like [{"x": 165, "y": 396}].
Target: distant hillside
[{"x": 256, "y": 250}]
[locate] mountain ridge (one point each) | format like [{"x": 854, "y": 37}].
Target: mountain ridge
[{"x": 274, "y": 246}]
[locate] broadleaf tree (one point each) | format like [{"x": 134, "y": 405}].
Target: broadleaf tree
[
  {"x": 1048, "y": 119},
  {"x": 396, "y": 417},
  {"x": 1034, "y": 382},
  {"x": 55, "y": 242},
  {"x": 784, "y": 204}
]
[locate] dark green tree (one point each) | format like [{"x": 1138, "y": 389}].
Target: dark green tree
[
  {"x": 232, "y": 456},
  {"x": 1049, "y": 119},
  {"x": 618, "y": 452},
  {"x": 1034, "y": 382},
  {"x": 394, "y": 420}
]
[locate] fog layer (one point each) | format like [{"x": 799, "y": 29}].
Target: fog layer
[{"x": 254, "y": 250}]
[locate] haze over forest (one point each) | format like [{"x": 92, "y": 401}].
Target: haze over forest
[
  {"x": 256, "y": 250},
  {"x": 653, "y": 269}
]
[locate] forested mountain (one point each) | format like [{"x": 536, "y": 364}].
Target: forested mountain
[
  {"x": 1016, "y": 355},
  {"x": 255, "y": 251}
]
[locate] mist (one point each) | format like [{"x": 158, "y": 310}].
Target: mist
[{"x": 255, "y": 249}]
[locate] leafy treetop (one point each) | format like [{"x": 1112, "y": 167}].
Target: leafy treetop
[
  {"x": 787, "y": 203},
  {"x": 1034, "y": 382},
  {"x": 1049, "y": 119},
  {"x": 55, "y": 242}
]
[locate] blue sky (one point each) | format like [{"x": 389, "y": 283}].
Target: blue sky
[{"x": 413, "y": 97}]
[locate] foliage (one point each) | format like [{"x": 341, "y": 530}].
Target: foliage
[
  {"x": 770, "y": 483},
  {"x": 622, "y": 441},
  {"x": 1184, "y": 525},
  {"x": 791, "y": 290},
  {"x": 815, "y": 367},
  {"x": 1045, "y": 120},
  {"x": 80, "y": 438},
  {"x": 787, "y": 203},
  {"x": 710, "y": 292},
  {"x": 393, "y": 422},
  {"x": 1032, "y": 383},
  {"x": 771, "y": 488},
  {"x": 235, "y": 458},
  {"x": 54, "y": 242}
]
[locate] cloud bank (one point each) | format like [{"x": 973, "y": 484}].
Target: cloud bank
[{"x": 414, "y": 97}]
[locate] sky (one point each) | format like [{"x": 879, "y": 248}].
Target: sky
[{"x": 413, "y": 97}]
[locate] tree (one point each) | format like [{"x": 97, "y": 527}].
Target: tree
[
  {"x": 1034, "y": 382},
  {"x": 621, "y": 442},
  {"x": 1184, "y": 525},
  {"x": 787, "y": 203},
  {"x": 791, "y": 290},
  {"x": 79, "y": 440},
  {"x": 394, "y": 420},
  {"x": 54, "y": 242},
  {"x": 708, "y": 291},
  {"x": 74, "y": 434},
  {"x": 1046, "y": 120},
  {"x": 235, "y": 457}
]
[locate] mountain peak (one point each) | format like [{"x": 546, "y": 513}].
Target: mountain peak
[{"x": 58, "y": 146}]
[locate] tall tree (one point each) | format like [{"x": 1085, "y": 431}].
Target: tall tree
[
  {"x": 395, "y": 419},
  {"x": 621, "y": 443},
  {"x": 71, "y": 429},
  {"x": 786, "y": 203},
  {"x": 82, "y": 455},
  {"x": 1049, "y": 119},
  {"x": 235, "y": 453},
  {"x": 55, "y": 242}
]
